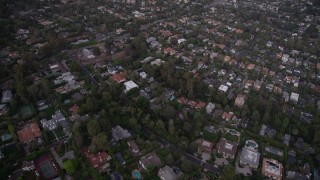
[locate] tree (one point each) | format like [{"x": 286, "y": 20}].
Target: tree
[
  {"x": 169, "y": 159},
  {"x": 69, "y": 166},
  {"x": 255, "y": 116},
  {"x": 285, "y": 123},
  {"x": 134, "y": 123},
  {"x": 93, "y": 128},
  {"x": 266, "y": 117},
  {"x": 160, "y": 125},
  {"x": 101, "y": 141},
  {"x": 193, "y": 147},
  {"x": 228, "y": 173},
  {"x": 45, "y": 85},
  {"x": 169, "y": 112},
  {"x": 171, "y": 128},
  {"x": 186, "y": 165},
  {"x": 96, "y": 51}
]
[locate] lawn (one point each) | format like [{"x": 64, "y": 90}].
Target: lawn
[
  {"x": 59, "y": 132},
  {"x": 49, "y": 112}
]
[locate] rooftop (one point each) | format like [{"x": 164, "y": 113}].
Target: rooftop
[{"x": 29, "y": 132}]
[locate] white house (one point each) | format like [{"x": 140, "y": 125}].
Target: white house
[
  {"x": 294, "y": 97},
  {"x": 130, "y": 85},
  {"x": 223, "y": 88},
  {"x": 180, "y": 41}
]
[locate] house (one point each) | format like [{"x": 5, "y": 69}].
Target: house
[
  {"x": 274, "y": 151},
  {"x": 169, "y": 173},
  {"x": 286, "y": 139},
  {"x": 3, "y": 109},
  {"x": 99, "y": 161},
  {"x": 74, "y": 109},
  {"x": 27, "y": 166},
  {"x": 147, "y": 59},
  {"x": 88, "y": 53},
  {"x": 293, "y": 175},
  {"x": 257, "y": 85},
  {"x": 223, "y": 88},
  {"x": 42, "y": 105},
  {"x": 100, "y": 37},
  {"x": 133, "y": 146},
  {"x": 210, "y": 107},
  {"x": 29, "y": 132},
  {"x": 150, "y": 159},
  {"x": 6, "y": 96},
  {"x": 119, "y": 78},
  {"x": 130, "y": 85},
  {"x": 267, "y": 131},
  {"x": 249, "y": 84},
  {"x": 201, "y": 105},
  {"x": 292, "y": 156},
  {"x": 169, "y": 51},
  {"x": 306, "y": 117},
  {"x": 204, "y": 146},
  {"x": 277, "y": 90},
  {"x": 192, "y": 103},
  {"x": 119, "y": 133},
  {"x": 57, "y": 119},
  {"x": 272, "y": 169},
  {"x": 251, "y": 66},
  {"x": 227, "y": 116},
  {"x": 222, "y": 72},
  {"x": 285, "y": 96},
  {"x": 227, "y": 148},
  {"x": 116, "y": 176},
  {"x": 143, "y": 75},
  {"x": 120, "y": 159},
  {"x": 294, "y": 98},
  {"x": 227, "y": 58},
  {"x": 240, "y": 100},
  {"x": 157, "y": 62},
  {"x": 182, "y": 100},
  {"x": 250, "y": 155},
  {"x": 180, "y": 41}
]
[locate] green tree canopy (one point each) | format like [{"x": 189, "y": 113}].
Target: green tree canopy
[
  {"x": 93, "y": 128},
  {"x": 101, "y": 141},
  {"x": 69, "y": 166}
]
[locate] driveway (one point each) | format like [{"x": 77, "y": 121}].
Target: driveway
[{"x": 221, "y": 162}]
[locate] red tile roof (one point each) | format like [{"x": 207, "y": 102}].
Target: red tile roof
[
  {"x": 74, "y": 109},
  {"x": 98, "y": 160},
  {"x": 118, "y": 78},
  {"x": 169, "y": 50},
  {"x": 201, "y": 105},
  {"x": 29, "y": 132},
  {"x": 192, "y": 104},
  {"x": 227, "y": 116},
  {"x": 182, "y": 100}
]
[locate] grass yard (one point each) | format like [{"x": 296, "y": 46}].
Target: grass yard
[
  {"x": 49, "y": 112},
  {"x": 59, "y": 132}
]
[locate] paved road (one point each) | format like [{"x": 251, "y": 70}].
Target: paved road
[
  {"x": 188, "y": 156},
  {"x": 57, "y": 157}
]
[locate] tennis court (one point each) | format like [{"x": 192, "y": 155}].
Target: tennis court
[
  {"x": 26, "y": 111},
  {"x": 46, "y": 167}
]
